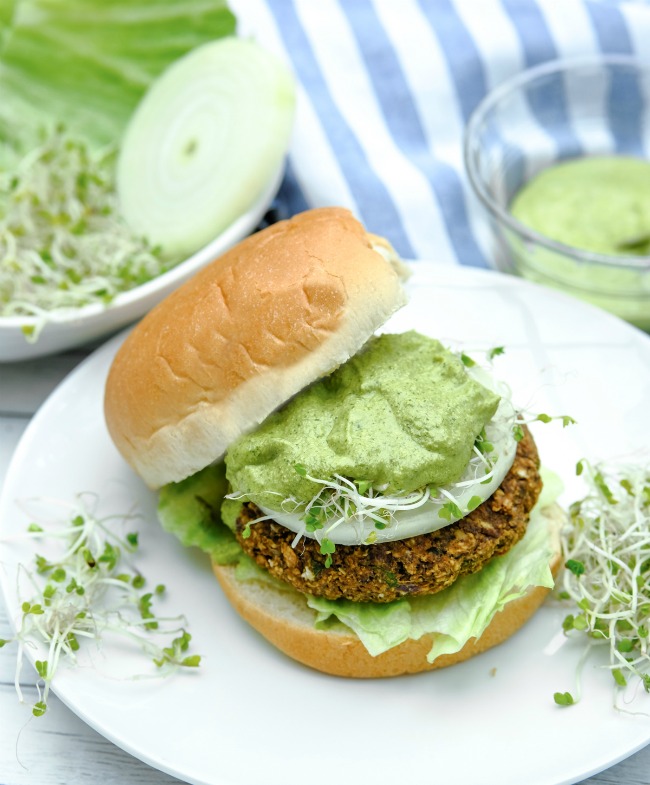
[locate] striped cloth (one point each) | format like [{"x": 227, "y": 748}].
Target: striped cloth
[{"x": 386, "y": 88}]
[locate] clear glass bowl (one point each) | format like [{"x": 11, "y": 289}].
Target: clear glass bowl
[{"x": 561, "y": 110}]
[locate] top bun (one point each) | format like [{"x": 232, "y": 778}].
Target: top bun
[{"x": 281, "y": 309}]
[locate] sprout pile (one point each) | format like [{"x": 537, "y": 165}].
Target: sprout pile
[
  {"x": 63, "y": 243},
  {"x": 607, "y": 575},
  {"x": 90, "y": 590}
]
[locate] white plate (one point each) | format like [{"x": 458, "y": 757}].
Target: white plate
[
  {"x": 250, "y": 715},
  {"x": 79, "y": 326}
]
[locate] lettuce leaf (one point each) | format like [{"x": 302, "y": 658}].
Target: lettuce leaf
[
  {"x": 191, "y": 511},
  {"x": 458, "y": 613},
  {"x": 87, "y": 63}
]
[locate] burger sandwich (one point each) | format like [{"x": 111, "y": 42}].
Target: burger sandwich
[{"x": 371, "y": 502}]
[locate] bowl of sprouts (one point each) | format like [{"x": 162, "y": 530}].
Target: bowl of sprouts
[{"x": 92, "y": 237}]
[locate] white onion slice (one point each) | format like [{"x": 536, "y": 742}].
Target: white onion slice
[{"x": 204, "y": 142}]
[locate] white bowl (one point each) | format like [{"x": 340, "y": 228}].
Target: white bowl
[{"x": 77, "y": 326}]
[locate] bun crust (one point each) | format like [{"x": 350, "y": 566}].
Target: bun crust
[
  {"x": 284, "y": 619},
  {"x": 215, "y": 358}
]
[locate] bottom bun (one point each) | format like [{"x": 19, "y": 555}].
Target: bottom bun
[{"x": 283, "y": 617}]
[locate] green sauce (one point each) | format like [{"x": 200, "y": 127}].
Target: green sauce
[
  {"x": 595, "y": 204},
  {"x": 403, "y": 412}
]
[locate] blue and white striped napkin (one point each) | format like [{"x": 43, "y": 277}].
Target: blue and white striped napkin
[{"x": 386, "y": 88}]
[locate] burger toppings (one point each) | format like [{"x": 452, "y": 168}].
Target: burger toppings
[{"x": 399, "y": 441}]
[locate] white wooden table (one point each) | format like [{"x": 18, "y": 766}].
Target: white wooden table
[{"x": 59, "y": 747}]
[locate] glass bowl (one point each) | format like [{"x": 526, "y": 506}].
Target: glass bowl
[{"x": 562, "y": 110}]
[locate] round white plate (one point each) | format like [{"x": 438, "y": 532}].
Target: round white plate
[
  {"x": 249, "y": 714},
  {"x": 75, "y": 327}
]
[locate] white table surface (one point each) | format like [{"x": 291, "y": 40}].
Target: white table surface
[{"x": 59, "y": 747}]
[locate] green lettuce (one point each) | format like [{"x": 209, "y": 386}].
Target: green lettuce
[
  {"x": 191, "y": 511},
  {"x": 87, "y": 63}
]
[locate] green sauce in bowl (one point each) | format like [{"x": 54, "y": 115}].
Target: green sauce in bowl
[
  {"x": 595, "y": 204},
  {"x": 592, "y": 216}
]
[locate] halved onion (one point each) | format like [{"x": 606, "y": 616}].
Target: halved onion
[{"x": 204, "y": 142}]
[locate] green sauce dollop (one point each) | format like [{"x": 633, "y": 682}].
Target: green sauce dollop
[{"x": 403, "y": 412}]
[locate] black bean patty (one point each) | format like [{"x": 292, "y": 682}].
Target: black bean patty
[{"x": 424, "y": 564}]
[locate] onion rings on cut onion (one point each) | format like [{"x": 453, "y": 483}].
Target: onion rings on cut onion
[{"x": 204, "y": 142}]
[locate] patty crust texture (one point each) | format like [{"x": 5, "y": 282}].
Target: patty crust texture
[{"x": 424, "y": 564}]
